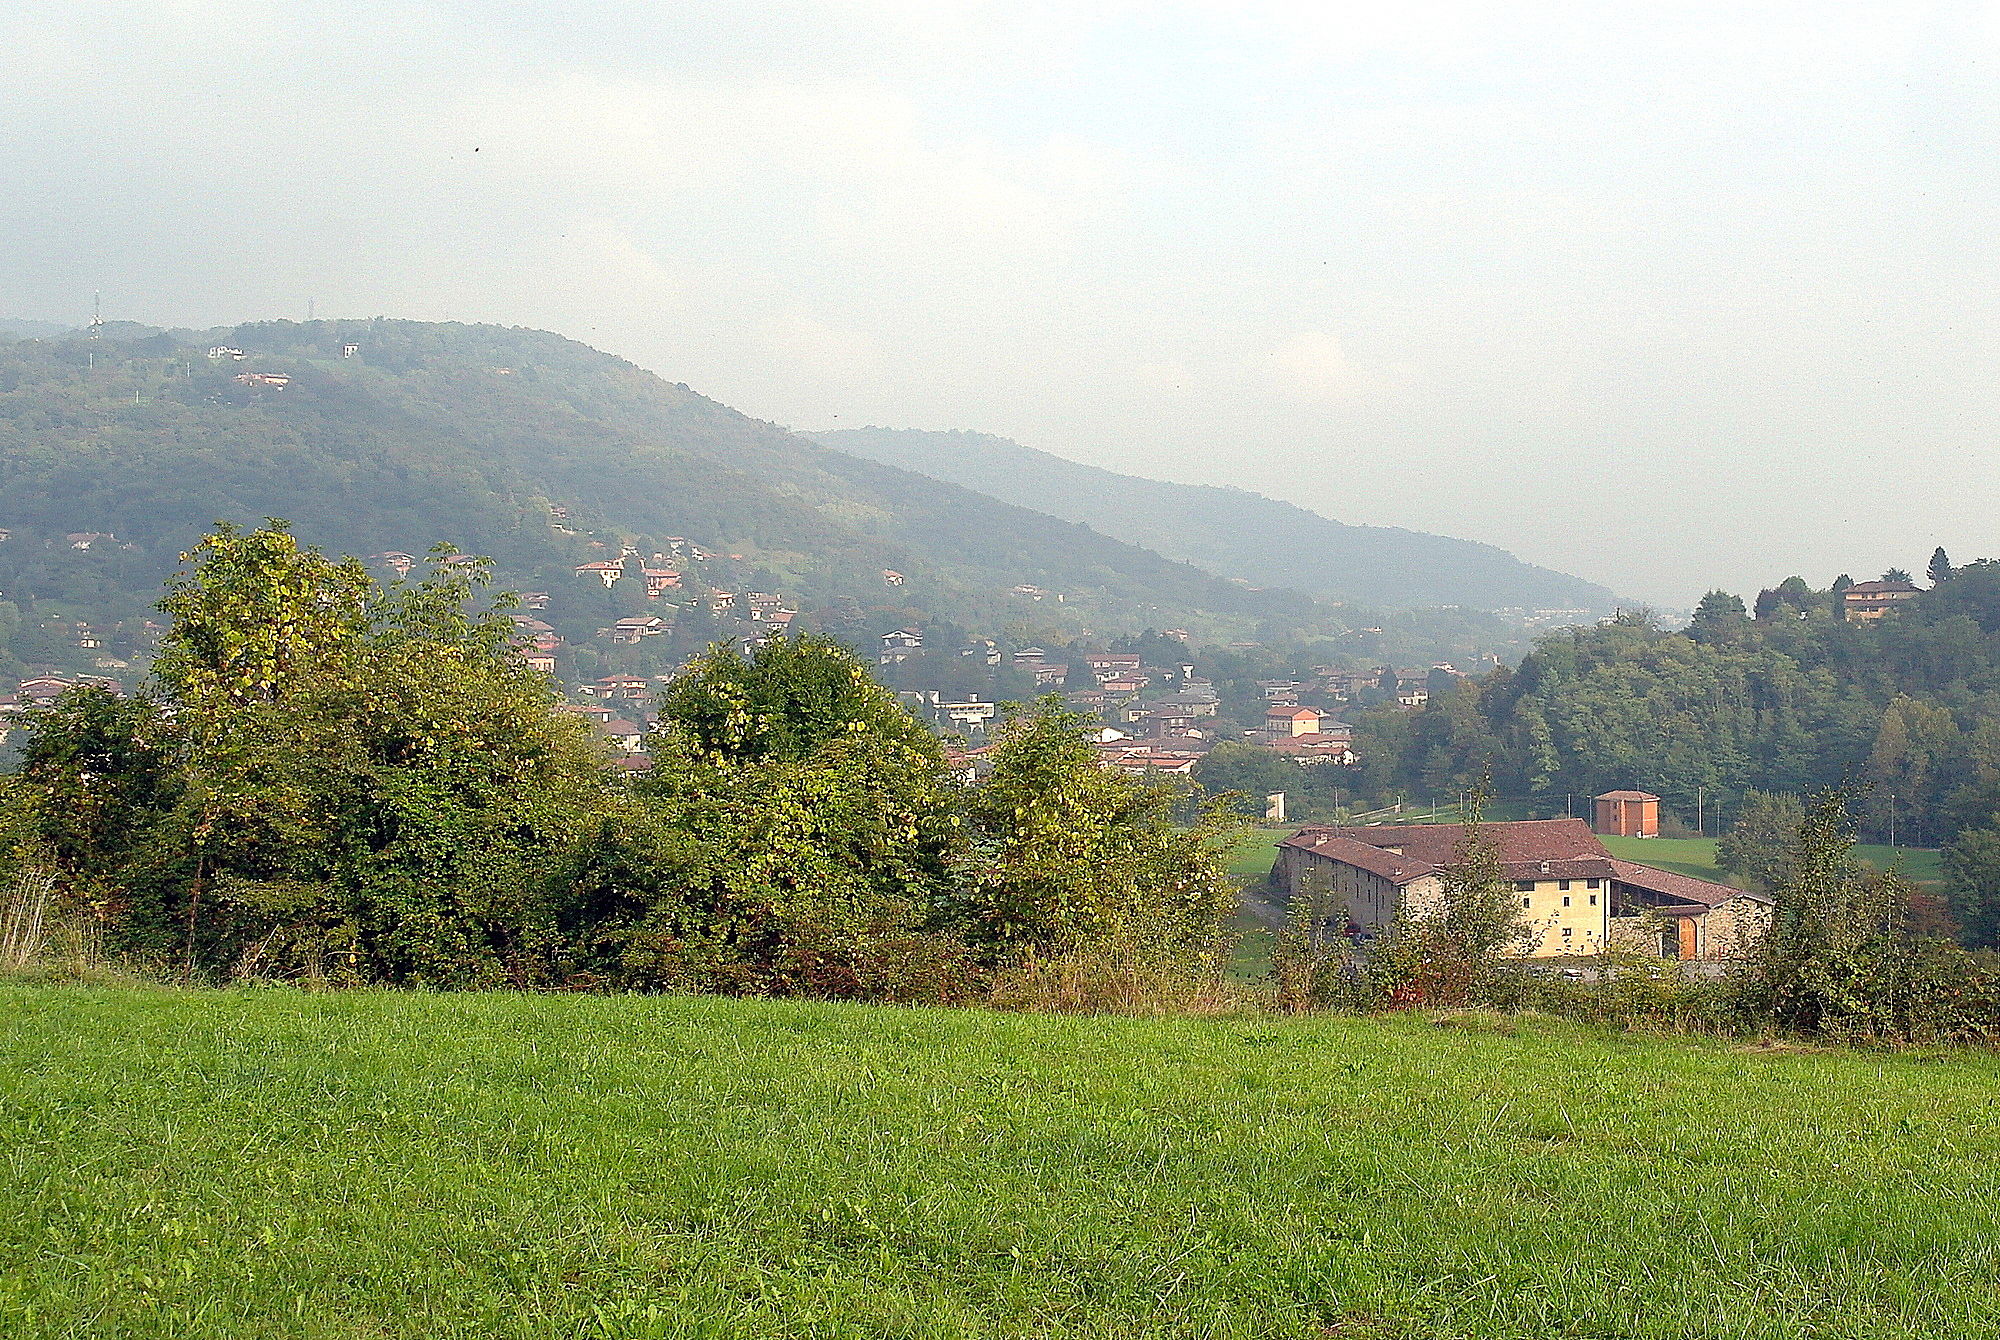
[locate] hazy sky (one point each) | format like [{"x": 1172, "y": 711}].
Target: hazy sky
[{"x": 1666, "y": 295}]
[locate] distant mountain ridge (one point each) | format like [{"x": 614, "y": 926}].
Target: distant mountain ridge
[
  {"x": 388, "y": 436},
  {"x": 1231, "y": 531}
]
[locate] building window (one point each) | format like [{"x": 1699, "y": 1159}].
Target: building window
[
  {"x": 1593, "y": 900},
  {"x": 1562, "y": 884},
  {"x": 1525, "y": 885},
  {"x": 1565, "y": 902},
  {"x": 1590, "y": 884},
  {"x": 1568, "y": 931},
  {"x": 1527, "y": 902}
]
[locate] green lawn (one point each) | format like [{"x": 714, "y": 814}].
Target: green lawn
[
  {"x": 1257, "y": 848},
  {"x": 1250, "y": 861},
  {"x": 262, "y": 1164},
  {"x": 1696, "y": 856}
]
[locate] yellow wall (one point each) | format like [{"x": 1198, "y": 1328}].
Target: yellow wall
[
  {"x": 1587, "y": 918},
  {"x": 1372, "y": 903}
]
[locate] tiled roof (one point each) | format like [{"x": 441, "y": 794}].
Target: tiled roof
[
  {"x": 1527, "y": 849},
  {"x": 1628, "y": 795},
  {"x": 1327, "y": 842},
  {"x": 1686, "y": 888}
]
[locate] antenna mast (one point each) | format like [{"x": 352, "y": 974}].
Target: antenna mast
[{"x": 96, "y": 313}]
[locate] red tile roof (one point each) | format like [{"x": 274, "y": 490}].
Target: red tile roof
[
  {"x": 1628, "y": 795},
  {"x": 1527, "y": 849},
  {"x": 1705, "y": 893},
  {"x": 1328, "y": 843}
]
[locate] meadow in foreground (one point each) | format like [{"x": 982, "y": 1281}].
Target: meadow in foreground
[{"x": 274, "y": 1163}]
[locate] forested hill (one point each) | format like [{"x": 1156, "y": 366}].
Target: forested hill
[
  {"x": 526, "y": 446},
  {"x": 1234, "y": 532},
  {"x": 1906, "y": 711}
]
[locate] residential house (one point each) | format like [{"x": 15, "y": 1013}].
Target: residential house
[
  {"x": 659, "y": 581},
  {"x": 891, "y": 577},
  {"x": 349, "y": 349},
  {"x": 1281, "y": 692},
  {"x": 596, "y": 712},
  {"x": 1865, "y": 602},
  {"x": 277, "y": 381},
  {"x": 1029, "y": 656},
  {"x": 962, "y": 765},
  {"x": 224, "y": 351},
  {"x": 630, "y": 631},
  {"x": 1198, "y": 699},
  {"x": 42, "y": 690},
  {"x": 1111, "y": 664},
  {"x": 1576, "y": 899},
  {"x": 1027, "y": 592},
  {"x": 629, "y": 736},
  {"x": 1285, "y": 721},
  {"x": 900, "y": 646},
  {"x": 971, "y": 715},
  {"x": 720, "y": 602},
  {"x": 1143, "y": 760},
  {"x": 626, "y": 688},
  {"x": 763, "y": 604},
  {"x": 535, "y": 600},
  {"x": 86, "y": 540},
  {"x": 544, "y": 661},
  {"x": 1311, "y": 750},
  {"x": 1167, "y": 721},
  {"x": 604, "y": 571},
  {"x": 1048, "y": 676}
]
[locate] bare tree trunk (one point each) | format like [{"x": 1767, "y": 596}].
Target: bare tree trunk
[
  {"x": 194, "y": 901},
  {"x": 21, "y": 926}
]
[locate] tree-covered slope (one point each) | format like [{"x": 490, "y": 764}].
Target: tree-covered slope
[
  {"x": 1231, "y": 531},
  {"x": 472, "y": 434}
]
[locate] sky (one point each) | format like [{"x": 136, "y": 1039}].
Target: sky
[{"x": 1671, "y": 296}]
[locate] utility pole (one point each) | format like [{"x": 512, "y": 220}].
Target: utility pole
[{"x": 1699, "y": 829}]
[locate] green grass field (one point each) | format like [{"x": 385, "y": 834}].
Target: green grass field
[
  {"x": 275, "y": 1164},
  {"x": 1696, "y": 856}
]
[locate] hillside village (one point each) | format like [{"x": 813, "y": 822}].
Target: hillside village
[{"x": 616, "y": 628}]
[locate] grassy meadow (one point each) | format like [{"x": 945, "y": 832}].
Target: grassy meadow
[
  {"x": 1696, "y": 856},
  {"x": 279, "y": 1164}
]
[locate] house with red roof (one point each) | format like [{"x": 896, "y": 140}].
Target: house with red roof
[
  {"x": 1290, "y": 719},
  {"x": 1577, "y": 900}
]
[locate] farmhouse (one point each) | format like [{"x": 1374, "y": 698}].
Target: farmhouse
[{"x": 1576, "y": 898}]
